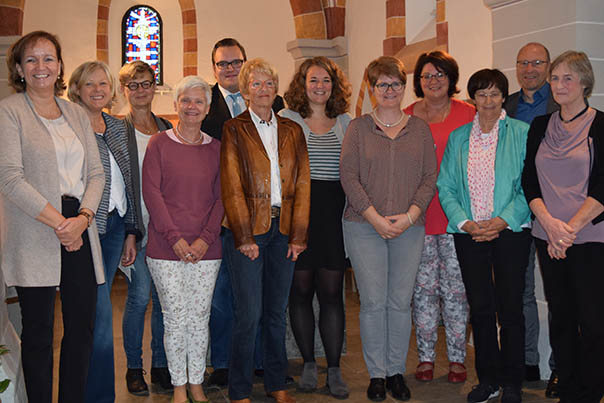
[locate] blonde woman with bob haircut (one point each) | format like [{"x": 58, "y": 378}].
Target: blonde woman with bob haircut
[
  {"x": 266, "y": 192},
  {"x": 92, "y": 86}
]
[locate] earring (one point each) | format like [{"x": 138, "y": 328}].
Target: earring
[{"x": 22, "y": 79}]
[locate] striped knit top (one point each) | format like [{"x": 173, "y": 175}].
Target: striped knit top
[{"x": 324, "y": 156}]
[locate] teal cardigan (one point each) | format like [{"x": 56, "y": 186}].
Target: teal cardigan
[{"x": 508, "y": 198}]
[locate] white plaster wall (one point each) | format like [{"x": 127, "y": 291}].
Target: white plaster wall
[
  {"x": 470, "y": 36},
  {"x": 73, "y": 21},
  {"x": 420, "y": 18},
  {"x": 366, "y": 31}
]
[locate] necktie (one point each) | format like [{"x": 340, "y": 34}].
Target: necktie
[{"x": 236, "y": 107}]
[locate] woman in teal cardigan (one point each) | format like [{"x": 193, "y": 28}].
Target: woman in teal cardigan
[{"x": 480, "y": 191}]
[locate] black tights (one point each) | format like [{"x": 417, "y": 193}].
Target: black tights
[{"x": 328, "y": 285}]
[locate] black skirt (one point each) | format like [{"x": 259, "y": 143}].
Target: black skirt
[{"x": 325, "y": 240}]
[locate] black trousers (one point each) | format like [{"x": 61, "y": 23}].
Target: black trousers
[
  {"x": 493, "y": 273},
  {"x": 78, "y": 302},
  {"x": 575, "y": 296}
]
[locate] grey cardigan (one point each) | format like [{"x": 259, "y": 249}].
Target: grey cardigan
[
  {"x": 339, "y": 128},
  {"x": 31, "y": 253}
]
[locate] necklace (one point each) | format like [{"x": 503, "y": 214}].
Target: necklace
[
  {"x": 195, "y": 142},
  {"x": 576, "y": 116},
  {"x": 374, "y": 113}
]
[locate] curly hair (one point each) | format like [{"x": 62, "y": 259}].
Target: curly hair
[
  {"x": 341, "y": 91},
  {"x": 15, "y": 56},
  {"x": 256, "y": 65},
  {"x": 444, "y": 63}
]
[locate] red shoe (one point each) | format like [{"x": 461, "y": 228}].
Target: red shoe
[
  {"x": 425, "y": 375},
  {"x": 459, "y": 376}
]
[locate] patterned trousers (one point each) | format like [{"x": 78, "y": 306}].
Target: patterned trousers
[
  {"x": 439, "y": 287},
  {"x": 185, "y": 294}
]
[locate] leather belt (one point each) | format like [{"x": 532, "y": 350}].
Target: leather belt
[{"x": 275, "y": 211}]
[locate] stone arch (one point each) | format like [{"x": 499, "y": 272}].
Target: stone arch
[
  {"x": 395, "y": 43},
  {"x": 319, "y": 19},
  {"x": 189, "y": 26}
]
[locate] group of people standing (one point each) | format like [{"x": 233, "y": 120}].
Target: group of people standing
[{"x": 244, "y": 208}]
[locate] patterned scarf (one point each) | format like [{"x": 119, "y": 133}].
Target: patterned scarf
[{"x": 481, "y": 168}]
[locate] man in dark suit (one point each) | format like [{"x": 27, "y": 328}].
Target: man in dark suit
[
  {"x": 533, "y": 99},
  {"x": 228, "y": 56}
]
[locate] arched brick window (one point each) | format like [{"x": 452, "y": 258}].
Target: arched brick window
[{"x": 142, "y": 38}]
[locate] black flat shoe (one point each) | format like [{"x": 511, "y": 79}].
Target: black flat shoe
[
  {"x": 219, "y": 377},
  {"x": 552, "y": 386},
  {"x": 161, "y": 381},
  {"x": 396, "y": 385},
  {"x": 135, "y": 382},
  {"x": 376, "y": 392}
]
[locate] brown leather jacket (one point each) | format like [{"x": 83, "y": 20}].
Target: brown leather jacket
[{"x": 246, "y": 182}]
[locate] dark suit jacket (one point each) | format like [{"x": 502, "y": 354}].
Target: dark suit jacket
[
  {"x": 511, "y": 104},
  {"x": 219, "y": 113}
]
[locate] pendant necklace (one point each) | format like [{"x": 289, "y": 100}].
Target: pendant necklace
[{"x": 389, "y": 125}]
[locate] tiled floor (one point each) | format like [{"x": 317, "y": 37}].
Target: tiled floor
[{"x": 353, "y": 366}]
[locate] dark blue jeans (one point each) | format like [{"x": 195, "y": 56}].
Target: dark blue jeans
[
  {"x": 260, "y": 289},
  {"x": 100, "y": 387},
  {"x": 140, "y": 289},
  {"x": 221, "y": 320}
]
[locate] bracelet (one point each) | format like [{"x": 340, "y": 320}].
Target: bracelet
[
  {"x": 409, "y": 217},
  {"x": 87, "y": 215}
]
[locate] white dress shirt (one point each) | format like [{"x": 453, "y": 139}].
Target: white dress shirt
[
  {"x": 270, "y": 139},
  {"x": 117, "y": 190}
]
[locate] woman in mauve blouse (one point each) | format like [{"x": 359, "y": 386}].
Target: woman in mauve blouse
[
  {"x": 388, "y": 172},
  {"x": 181, "y": 188}
]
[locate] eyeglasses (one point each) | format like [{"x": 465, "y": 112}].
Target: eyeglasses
[
  {"x": 395, "y": 86},
  {"x": 256, "y": 85},
  {"x": 133, "y": 85},
  {"x": 535, "y": 63},
  {"x": 440, "y": 76},
  {"x": 483, "y": 95},
  {"x": 235, "y": 64}
]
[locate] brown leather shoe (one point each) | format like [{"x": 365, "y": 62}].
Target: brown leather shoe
[
  {"x": 246, "y": 400},
  {"x": 281, "y": 396}
]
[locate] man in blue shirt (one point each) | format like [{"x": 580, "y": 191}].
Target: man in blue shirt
[{"x": 533, "y": 99}]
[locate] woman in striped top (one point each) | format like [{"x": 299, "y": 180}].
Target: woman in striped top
[
  {"x": 93, "y": 87},
  {"x": 318, "y": 99}
]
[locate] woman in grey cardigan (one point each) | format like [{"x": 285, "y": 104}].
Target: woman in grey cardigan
[{"x": 51, "y": 181}]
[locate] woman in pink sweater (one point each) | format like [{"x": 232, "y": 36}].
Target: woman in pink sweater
[{"x": 181, "y": 188}]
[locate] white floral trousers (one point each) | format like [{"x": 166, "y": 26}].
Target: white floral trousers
[
  {"x": 439, "y": 279},
  {"x": 185, "y": 293}
]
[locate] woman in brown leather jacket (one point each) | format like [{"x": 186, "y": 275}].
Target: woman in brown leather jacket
[{"x": 265, "y": 179}]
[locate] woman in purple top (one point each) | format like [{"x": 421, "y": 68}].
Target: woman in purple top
[
  {"x": 563, "y": 182},
  {"x": 181, "y": 188}
]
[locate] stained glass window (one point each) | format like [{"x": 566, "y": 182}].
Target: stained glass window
[{"x": 142, "y": 38}]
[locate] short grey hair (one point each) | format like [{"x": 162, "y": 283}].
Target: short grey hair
[
  {"x": 579, "y": 63},
  {"x": 190, "y": 82}
]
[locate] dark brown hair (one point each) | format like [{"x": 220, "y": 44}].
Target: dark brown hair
[
  {"x": 486, "y": 78},
  {"x": 444, "y": 63},
  {"x": 339, "y": 100},
  {"x": 226, "y": 42},
  {"x": 386, "y": 66},
  {"x": 15, "y": 56}
]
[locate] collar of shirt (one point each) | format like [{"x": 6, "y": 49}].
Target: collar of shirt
[
  {"x": 539, "y": 95},
  {"x": 258, "y": 121},
  {"x": 225, "y": 94}
]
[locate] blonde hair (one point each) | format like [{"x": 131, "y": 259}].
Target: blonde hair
[
  {"x": 257, "y": 65},
  {"x": 81, "y": 74},
  {"x": 130, "y": 70}
]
